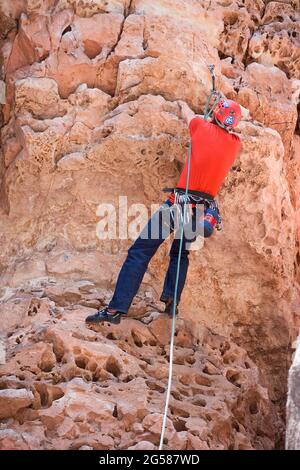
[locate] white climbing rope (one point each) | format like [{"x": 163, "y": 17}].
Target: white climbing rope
[{"x": 169, "y": 387}]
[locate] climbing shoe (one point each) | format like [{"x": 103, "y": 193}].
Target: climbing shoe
[
  {"x": 168, "y": 306},
  {"x": 104, "y": 316}
]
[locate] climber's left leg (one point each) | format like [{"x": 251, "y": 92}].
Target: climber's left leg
[{"x": 170, "y": 279}]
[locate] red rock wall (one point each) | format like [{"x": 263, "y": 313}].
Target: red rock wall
[{"x": 91, "y": 113}]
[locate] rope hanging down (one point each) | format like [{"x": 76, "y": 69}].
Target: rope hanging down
[{"x": 207, "y": 113}]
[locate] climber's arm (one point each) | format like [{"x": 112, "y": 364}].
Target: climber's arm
[{"x": 186, "y": 113}]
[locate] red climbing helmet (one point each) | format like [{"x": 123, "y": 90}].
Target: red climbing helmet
[{"x": 227, "y": 113}]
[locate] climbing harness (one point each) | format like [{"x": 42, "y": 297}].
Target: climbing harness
[
  {"x": 184, "y": 199},
  {"x": 192, "y": 199}
]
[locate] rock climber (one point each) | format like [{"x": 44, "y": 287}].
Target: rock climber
[{"x": 214, "y": 149}]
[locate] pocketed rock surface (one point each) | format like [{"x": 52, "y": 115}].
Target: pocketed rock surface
[{"x": 65, "y": 386}]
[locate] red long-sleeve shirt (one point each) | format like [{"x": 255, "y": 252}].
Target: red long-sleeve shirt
[{"x": 213, "y": 153}]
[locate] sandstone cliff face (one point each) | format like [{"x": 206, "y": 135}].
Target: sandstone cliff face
[{"x": 91, "y": 113}]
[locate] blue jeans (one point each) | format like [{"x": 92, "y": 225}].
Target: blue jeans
[{"x": 140, "y": 254}]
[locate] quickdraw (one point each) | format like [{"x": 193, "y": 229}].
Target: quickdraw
[{"x": 214, "y": 95}]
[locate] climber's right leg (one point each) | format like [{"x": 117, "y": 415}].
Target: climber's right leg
[{"x": 131, "y": 275}]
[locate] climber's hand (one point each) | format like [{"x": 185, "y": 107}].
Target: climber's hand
[
  {"x": 183, "y": 106},
  {"x": 186, "y": 113}
]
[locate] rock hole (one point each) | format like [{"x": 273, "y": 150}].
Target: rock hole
[
  {"x": 148, "y": 360},
  {"x": 111, "y": 336},
  {"x": 46, "y": 367},
  {"x": 179, "y": 425},
  {"x": 190, "y": 360},
  {"x": 224, "y": 347},
  {"x": 184, "y": 392},
  {"x": 185, "y": 379},
  {"x": 199, "y": 402},
  {"x": 33, "y": 310},
  {"x": 58, "y": 349},
  {"x": 81, "y": 362},
  {"x": 106, "y": 133},
  {"x": 176, "y": 395},
  {"x": 236, "y": 426},
  {"x": 201, "y": 380},
  {"x": 231, "y": 19},
  {"x": 136, "y": 339},
  {"x": 19, "y": 339},
  {"x": 180, "y": 412},
  {"x": 113, "y": 366},
  {"x": 44, "y": 395},
  {"x": 179, "y": 360},
  {"x": 155, "y": 386},
  {"x": 253, "y": 408},
  {"x": 95, "y": 376},
  {"x": 128, "y": 378},
  {"x": 68, "y": 29},
  {"x": 233, "y": 377},
  {"x": 222, "y": 55},
  {"x": 236, "y": 168},
  {"x": 115, "y": 412}
]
